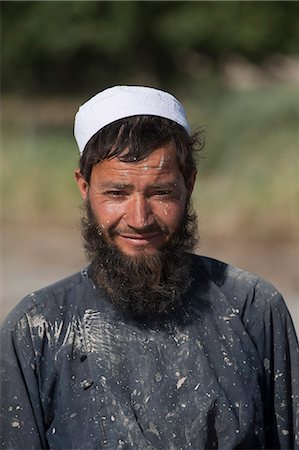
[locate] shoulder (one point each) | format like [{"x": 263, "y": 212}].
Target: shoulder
[
  {"x": 48, "y": 300},
  {"x": 225, "y": 275},
  {"x": 250, "y": 295}
]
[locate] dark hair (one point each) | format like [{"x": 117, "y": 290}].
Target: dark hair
[{"x": 132, "y": 139}]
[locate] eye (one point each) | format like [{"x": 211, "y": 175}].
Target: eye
[
  {"x": 115, "y": 194},
  {"x": 163, "y": 192},
  {"x": 169, "y": 193}
]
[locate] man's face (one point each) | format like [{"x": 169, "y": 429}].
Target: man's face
[{"x": 138, "y": 206}]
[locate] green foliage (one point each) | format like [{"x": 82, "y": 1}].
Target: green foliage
[
  {"x": 247, "y": 172},
  {"x": 75, "y": 46},
  {"x": 37, "y": 179},
  {"x": 60, "y": 48},
  {"x": 217, "y": 28}
]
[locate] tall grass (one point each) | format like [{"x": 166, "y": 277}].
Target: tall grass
[{"x": 248, "y": 172}]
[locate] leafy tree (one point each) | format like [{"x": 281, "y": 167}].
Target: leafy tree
[{"x": 70, "y": 46}]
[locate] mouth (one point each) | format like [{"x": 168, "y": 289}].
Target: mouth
[{"x": 141, "y": 239}]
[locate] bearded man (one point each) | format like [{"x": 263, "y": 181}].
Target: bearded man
[{"x": 150, "y": 346}]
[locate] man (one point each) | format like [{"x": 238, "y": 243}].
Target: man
[{"x": 151, "y": 346}]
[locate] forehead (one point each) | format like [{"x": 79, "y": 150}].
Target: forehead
[{"x": 161, "y": 163}]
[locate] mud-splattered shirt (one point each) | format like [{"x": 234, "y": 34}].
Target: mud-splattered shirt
[{"x": 77, "y": 374}]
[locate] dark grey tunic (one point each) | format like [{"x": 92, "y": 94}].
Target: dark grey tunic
[{"x": 76, "y": 374}]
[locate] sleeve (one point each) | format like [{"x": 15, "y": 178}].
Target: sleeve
[
  {"x": 276, "y": 341},
  {"x": 22, "y": 425}
]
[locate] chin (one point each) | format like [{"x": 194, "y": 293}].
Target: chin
[
  {"x": 139, "y": 249},
  {"x": 142, "y": 250}
]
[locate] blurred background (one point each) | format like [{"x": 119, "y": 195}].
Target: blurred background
[{"x": 235, "y": 67}]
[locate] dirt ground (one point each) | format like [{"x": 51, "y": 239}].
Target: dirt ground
[{"x": 34, "y": 257}]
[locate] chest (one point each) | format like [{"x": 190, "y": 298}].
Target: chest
[{"x": 129, "y": 387}]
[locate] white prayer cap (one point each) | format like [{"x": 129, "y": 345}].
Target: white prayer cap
[{"x": 119, "y": 102}]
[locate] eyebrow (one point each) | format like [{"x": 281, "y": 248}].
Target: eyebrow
[
  {"x": 113, "y": 185},
  {"x": 164, "y": 186}
]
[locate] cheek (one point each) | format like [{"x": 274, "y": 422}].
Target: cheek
[
  {"x": 107, "y": 214},
  {"x": 169, "y": 213}
]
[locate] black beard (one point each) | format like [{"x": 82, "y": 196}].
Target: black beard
[{"x": 143, "y": 286}]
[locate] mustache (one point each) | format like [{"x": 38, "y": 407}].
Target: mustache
[{"x": 149, "y": 229}]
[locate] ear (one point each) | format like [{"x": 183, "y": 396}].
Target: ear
[
  {"x": 191, "y": 182},
  {"x": 81, "y": 183}
]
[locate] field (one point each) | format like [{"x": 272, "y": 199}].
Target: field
[{"x": 246, "y": 192}]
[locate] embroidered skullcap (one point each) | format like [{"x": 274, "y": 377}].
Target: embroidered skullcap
[{"x": 119, "y": 102}]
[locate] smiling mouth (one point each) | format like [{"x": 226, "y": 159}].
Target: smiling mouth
[{"x": 140, "y": 239}]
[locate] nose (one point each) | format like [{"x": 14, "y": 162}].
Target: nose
[{"x": 138, "y": 213}]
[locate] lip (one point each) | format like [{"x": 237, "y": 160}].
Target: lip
[{"x": 140, "y": 239}]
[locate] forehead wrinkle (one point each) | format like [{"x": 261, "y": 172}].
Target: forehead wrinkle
[
  {"x": 132, "y": 170},
  {"x": 114, "y": 184},
  {"x": 166, "y": 165},
  {"x": 153, "y": 160},
  {"x": 161, "y": 166}
]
